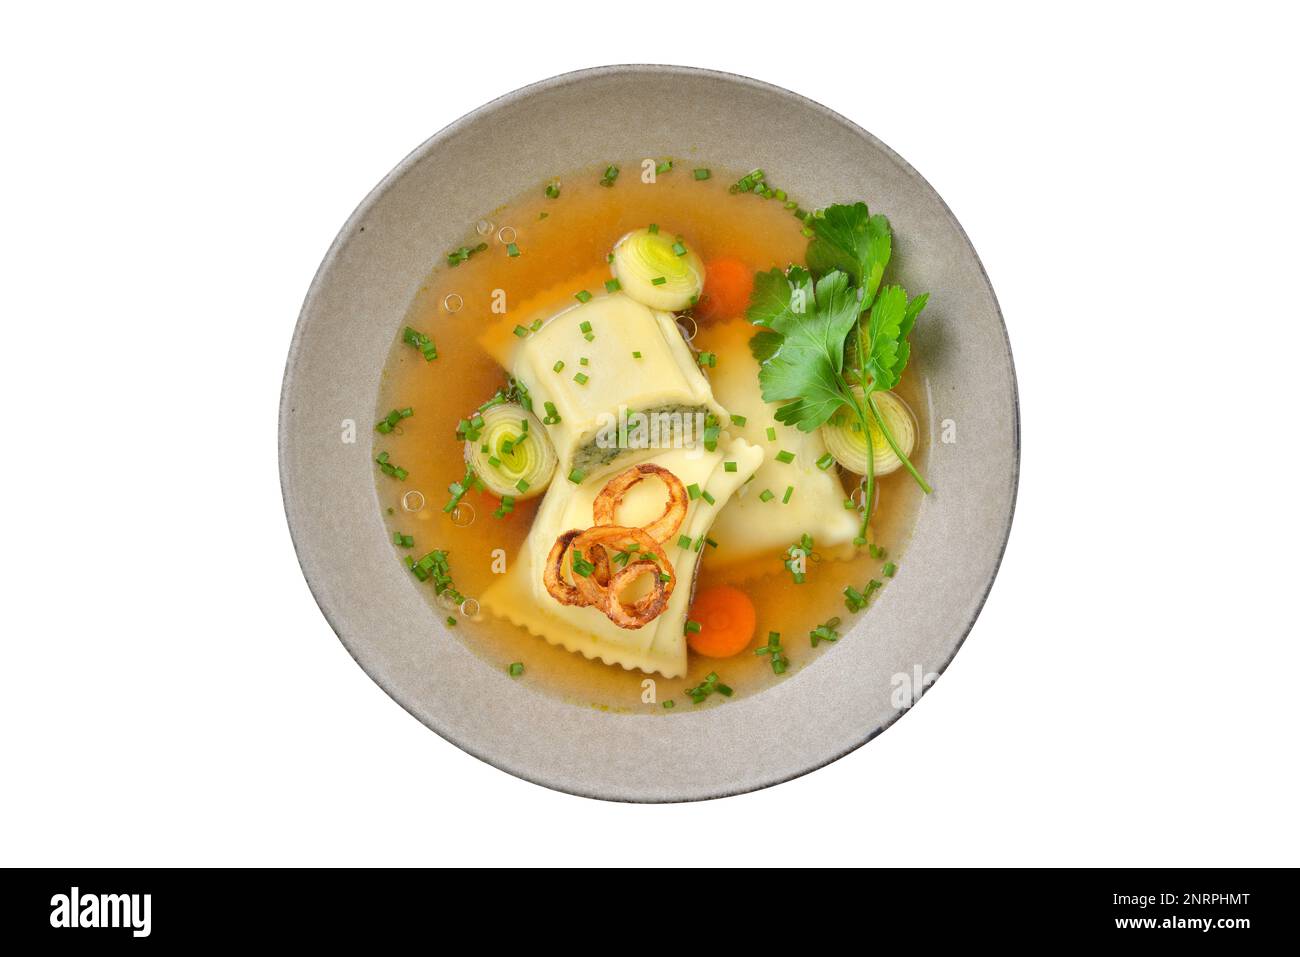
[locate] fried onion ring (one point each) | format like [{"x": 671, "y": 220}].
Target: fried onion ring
[
  {"x": 553, "y": 576},
  {"x": 662, "y": 528},
  {"x": 603, "y": 536},
  {"x": 642, "y": 611}
]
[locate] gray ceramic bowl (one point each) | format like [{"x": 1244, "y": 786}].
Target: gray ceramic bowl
[{"x": 354, "y": 309}]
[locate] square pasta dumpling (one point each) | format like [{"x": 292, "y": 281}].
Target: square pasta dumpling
[
  {"x": 752, "y": 530},
  {"x": 660, "y": 646},
  {"x": 608, "y": 357}
]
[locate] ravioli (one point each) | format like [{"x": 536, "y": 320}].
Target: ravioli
[
  {"x": 636, "y": 362},
  {"x": 750, "y": 529},
  {"x": 660, "y": 646}
]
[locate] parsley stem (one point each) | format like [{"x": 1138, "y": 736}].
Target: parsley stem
[
  {"x": 868, "y": 487},
  {"x": 884, "y": 429}
]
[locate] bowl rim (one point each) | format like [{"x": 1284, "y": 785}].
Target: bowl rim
[{"x": 415, "y": 156}]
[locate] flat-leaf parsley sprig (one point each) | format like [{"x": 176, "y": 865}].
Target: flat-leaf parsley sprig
[{"x": 833, "y": 327}]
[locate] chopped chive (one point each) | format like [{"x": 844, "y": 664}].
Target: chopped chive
[
  {"x": 652, "y": 229},
  {"x": 826, "y": 461},
  {"x": 559, "y": 366},
  {"x": 683, "y": 541},
  {"x": 876, "y": 551},
  {"x": 535, "y": 325},
  {"x": 553, "y": 190},
  {"x": 512, "y": 249},
  {"x": 636, "y": 355},
  {"x": 738, "y": 419},
  {"x": 451, "y": 622},
  {"x": 406, "y": 541},
  {"x": 702, "y": 174},
  {"x": 422, "y": 342},
  {"x": 521, "y": 331},
  {"x": 785, "y": 457},
  {"x": 778, "y": 659},
  {"x": 766, "y": 495},
  {"x": 583, "y": 361},
  {"x": 711, "y": 543},
  {"x": 709, "y": 359},
  {"x": 611, "y": 174},
  {"x": 708, "y": 686},
  {"x": 388, "y": 468},
  {"x": 668, "y": 703},
  {"x": 522, "y": 485},
  {"x": 729, "y": 466},
  {"x": 693, "y": 627},
  {"x": 658, "y": 280},
  {"x": 584, "y": 327},
  {"x": 582, "y": 296},
  {"x": 693, "y": 491},
  {"x": 789, "y": 491},
  {"x": 697, "y": 544},
  {"x": 679, "y": 248},
  {"x": 613, "y": 285},
  {"x": 458, "y": 256},
  {"x": 826, "y": 631},
  {"x": 576, "y": 476},
  {"x": 771, "y": 433},
  {"x": 581, "y": 566},
  {"x": 888, "y": 569},
  {"x": 589, "y": 336},
  {"x": 663, "y": 166},
  {"x": 580, "y": 378},
  {"x": 516, "y": 669},
  {"x": 708, "y": 498}
]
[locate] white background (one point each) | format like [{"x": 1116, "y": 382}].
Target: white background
[{"x": 169, "y": 693}]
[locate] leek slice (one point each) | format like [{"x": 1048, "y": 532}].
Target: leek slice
[
  {"x": 845, "y": 441},
  {"x": 512, "y": 454},
  {"x": 658, "y": 270}
]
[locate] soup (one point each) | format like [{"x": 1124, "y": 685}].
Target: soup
[{"x": 584, "y": 366}]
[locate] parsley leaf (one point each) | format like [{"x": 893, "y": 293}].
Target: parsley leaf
[
  {"x": 832, "y": 315},
  {"x": 805, "y": 370},
  {"x": 850, "y": 238},
  {"x": 778, "y": 300},
  {"x": 887, "y": 328}
]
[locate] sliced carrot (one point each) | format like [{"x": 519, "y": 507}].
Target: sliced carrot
[
  {"x": 726, "y": 617},
  {"x": 727, "y": 286}
]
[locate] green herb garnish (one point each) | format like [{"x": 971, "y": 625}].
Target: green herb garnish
[
  {"x": 836, "y": 308},
  {"x": 389, "y": 422},
  {"x": 388, "y": 468},
  {"x": 778, "y": 660},
  {"x": 708, "y": 686},
  {"x": 825, "y": 632},
  {"x": 422, "y": 342}
]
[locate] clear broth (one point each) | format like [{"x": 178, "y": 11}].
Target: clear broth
[{"x": 562, "y": 239}]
